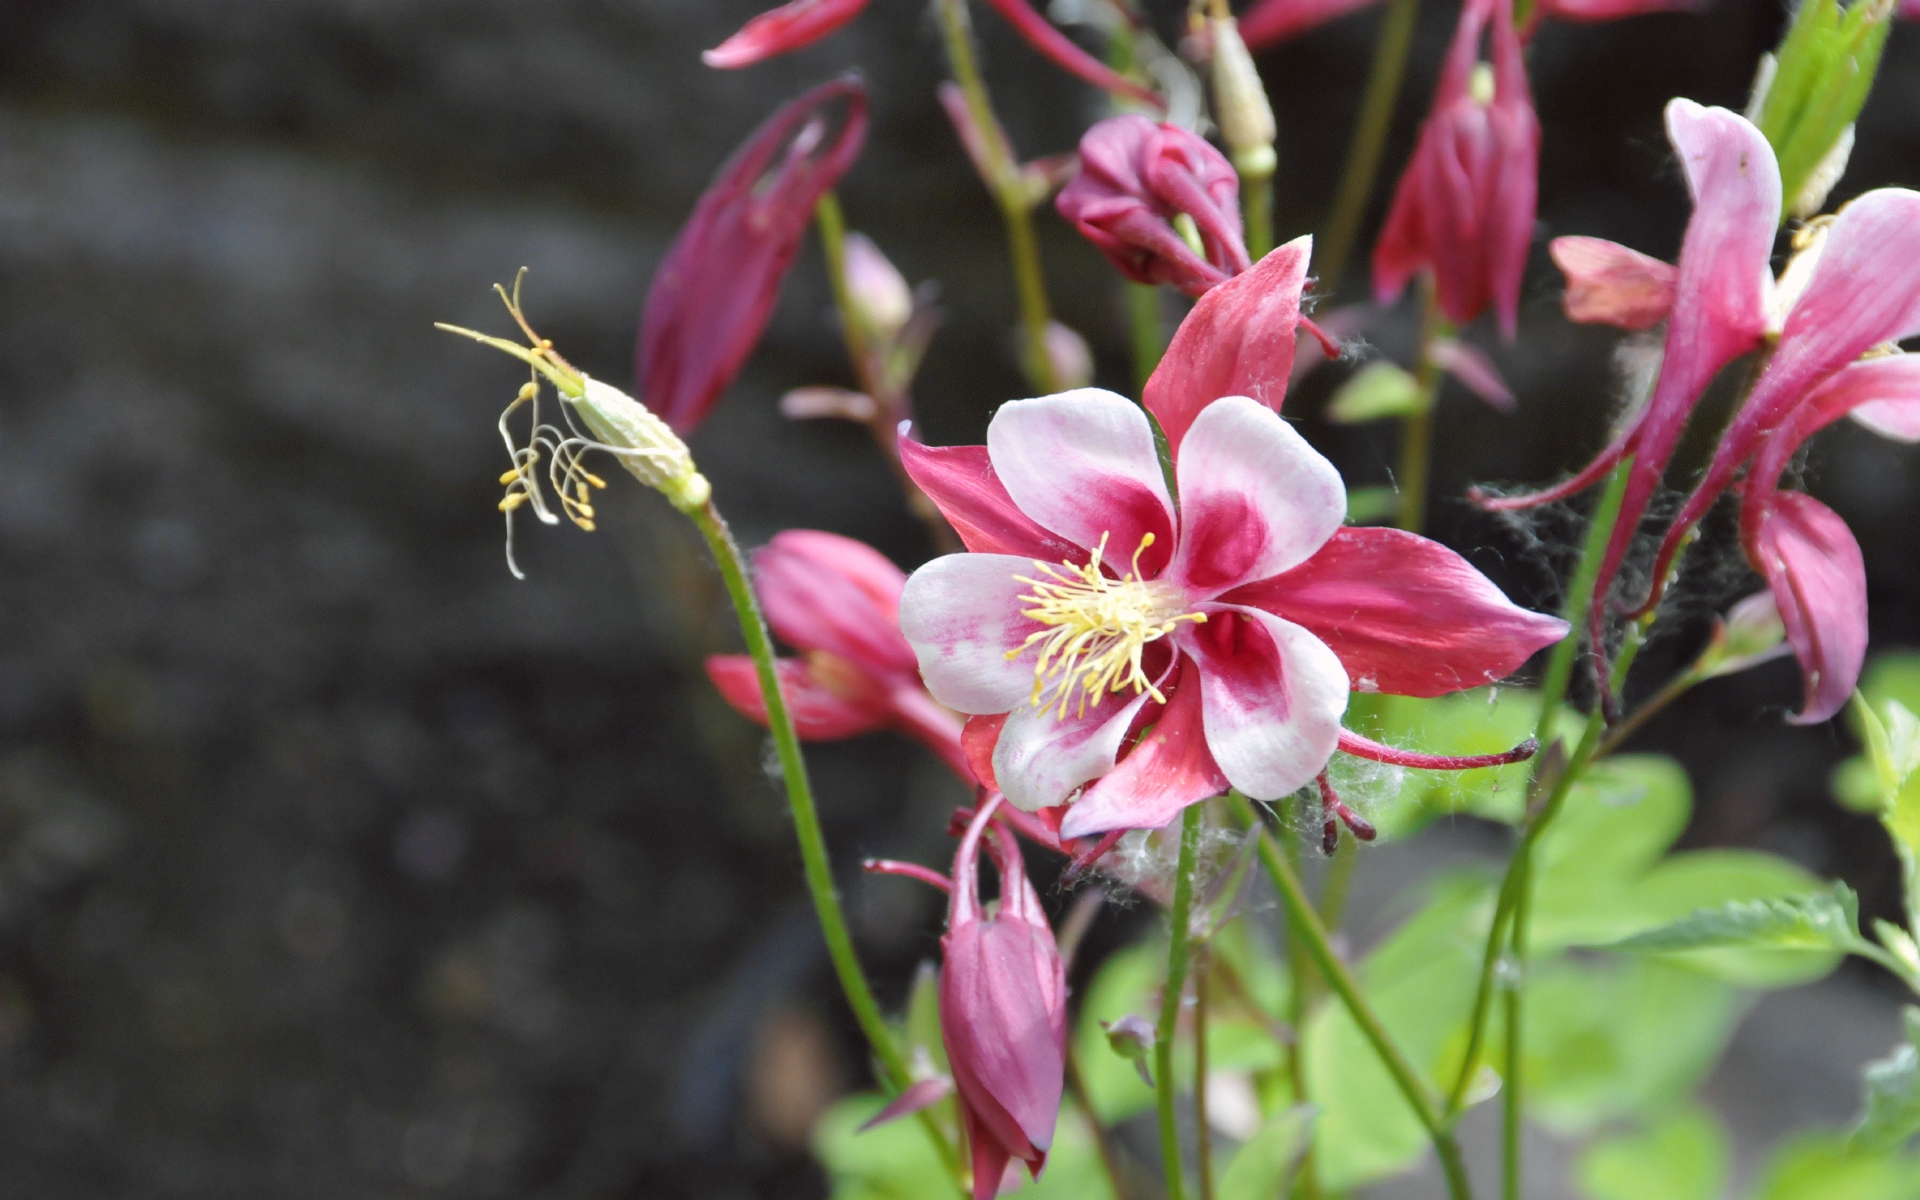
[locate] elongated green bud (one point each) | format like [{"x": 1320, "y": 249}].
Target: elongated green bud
[{"x": 1808, "y": 94}]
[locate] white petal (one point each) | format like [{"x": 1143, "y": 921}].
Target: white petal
[
  {"x": 1041, "y": 759},
  {"x": 961, "y": 614},
  {"x": 1082, "y": 464},
  {"x": 1271, "y": 696}
]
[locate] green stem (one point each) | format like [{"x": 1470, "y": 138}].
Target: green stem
[
  {"x": 1009, "y": 192},
  {"x": 1301, "y": 915},
  {"x": 1163, "y": 1081},
  {"x": 1416, "y": 431},
  {"x": 806, "y": 823},
  {"x": 1203, "y": 1131},
  {"x": 1553, "y": 691},
  {"x": 1301, "y": 978},
  {"x": 1256, "y": 206},
  {"x": 1369, "y": 138},
  {"x": 1143, "y": 320}
]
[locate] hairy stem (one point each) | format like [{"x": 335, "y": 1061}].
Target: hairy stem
[
  {"x": 1301, "y": 915},
  {"x": 1009, "y": 192},
  {"x": 1256, "y": 207},
  {"x": 806, "y": 824},
  {"x": 1369, "y": 138},
  {"x": 1177, "y": 948}
]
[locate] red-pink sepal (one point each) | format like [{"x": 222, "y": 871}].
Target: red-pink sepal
[
  {"x": 1464, "y": 207},
  {"x": 820, "y": 714},
  {"x": 1609, "y": 284},
  {"x": 715, "y": 290},
  {"x": 1135, "y": 178},
  {"x": 1161, "y": 775},
  {"x": 961, "y": 482},
  {"x": 1470, "y": 365},
  {"x": 1003, "y": 1010},
  {"x": 1608, "y": 10},
  {"x": 1271, "y": 22},
  {"x": 1404, "y": 615},
  {"x": 1819, "y": 584},
  {"x": 1063, "y": 53},
  {"x": 778, "y": 30},
  {"x": 1237, "y": 341},
  {"x": 821, "y": 591},
  {"x": 924, "y": 1094},
  {"x": 1910, "y": 10},
  {"x": 1365, "y": 747}
]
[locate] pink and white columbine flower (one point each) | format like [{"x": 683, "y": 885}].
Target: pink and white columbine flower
[
  {"x": 1229, "y": 628},
  {"x": 1852, "y": 289}
]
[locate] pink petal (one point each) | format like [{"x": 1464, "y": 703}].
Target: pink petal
[
  {"x": 1271, "y": 22},
  {"x": 1083, "y": 465},
  {"x": 1819, "y": 584},
  {"x": 819, "y": 715},
  {"x": 1062, "y": 51},
  {"x": 924, "y": 1094},
  {"x": 1514, "y": 195},
  {"x": 961, "y": 613},
  {"x": 961, "y": 482},
  {"x": 1896, "y": 416},
  {"x": 1271, "y": 696},
  {"x": 1608, "y": 284},
  {"x": 998, "y": 1020},
  {"x": 1255, "y": 499},
  {"x": 1237, "y": 341},
  {"x": 714, "y": 292},
  {"x": 978, "y": 739},
  {"x": 1471, "y": 366},
  {"x": 1041, "y": 759},
  {"x": 822, "y": 591},
  {"x": 1405, "y": 615},
  {"x": 1167, "y": 770},
  {"x": 776, "y": 31},
  {"x": 1611, "y": 10},
  {"x": 992, "y": 1162}
]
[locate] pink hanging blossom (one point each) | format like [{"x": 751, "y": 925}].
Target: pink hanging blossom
[
  {"x": 800, "y": 23},
  {"x": 714, "y": 292},
  {"x": 774, "y": 32},
  {"x": 1608, "y": 284},
  {"x": 1003, "y": 1010},
  {"x": 1230, "y": 630},
  {"x": 1271, "y": 22},
  {"x": 1854, "y": 286},
  {"x": 1465, "y": 206},
  {"x": 837, "y": 601},
  {"x": 1135, "y": 178}
]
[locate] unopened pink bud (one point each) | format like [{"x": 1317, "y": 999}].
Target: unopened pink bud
[
  {"x": 879, "y": 292},
  {"x": 1072, "y": 361},
  {"x": 776, "y": 31},
  {"x": 1609, "y": 284}
]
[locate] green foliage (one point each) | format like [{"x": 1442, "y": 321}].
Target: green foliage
[
  {"x": 1827, "y": 920},
  {"x": 1376, "y": 390},
  {"x": 896, "y": 1162},
  {"x": 1372, "y": 505},
  {"x": 1683, "y": 1158},
  {"x": 1823, "y": 71},
  {"x": 1892, "y": 1095},
  {"x": 1263, "y": 1167},
  {"x": 1823, "y": 1167}
]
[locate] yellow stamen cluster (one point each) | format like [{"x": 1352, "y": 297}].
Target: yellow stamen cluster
[{"x": 1096, "y": 629}]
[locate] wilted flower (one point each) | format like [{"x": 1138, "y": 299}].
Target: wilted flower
[
  {"x": 837, "y": 602},
  {"x": 1003, "y": 1011},
  {"x": 1464, "y": 208},
  {"x": 715, "y": 290},
  {"x": 1852, "y": 289},
  {"x": 1136, "y": 180},
  {"x": 1089, "y": 610}
]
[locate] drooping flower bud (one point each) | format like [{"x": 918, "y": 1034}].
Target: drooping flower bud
[
  {"x": 1270, "y": 22},
  {"x": 714, "y": 292},
  {"x": 1807, "y": 95},
  {"x": 1003, "y": 1010},
  {"x": 837, "y": 601},
  {"x": 1240, "y": 103},
  {"x": 880, "y": 294},
  {"x": 1135, "y": 179},
  {"x": 1132, "y": 1038},
  {"x": 1465, "y": 206},
  {"x": 793, "y": 25}
]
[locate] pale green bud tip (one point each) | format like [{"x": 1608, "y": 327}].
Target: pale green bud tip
[
  {"x": 1480, "y": 85},
  {"x": 651, "y": 452},
  {"x": 1239, "y": 99}
]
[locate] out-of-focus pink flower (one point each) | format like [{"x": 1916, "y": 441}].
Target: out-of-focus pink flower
[
  {"x": 778, "y": 30},
  {"x": 715, "y": 290},
  {"x": 1135, "y": 178},
  {"x": 1910, "y": 10},
  {"x": 1854, "y": 287},
  {"x": 837, "y": 601},
  {"x": 1271, "y": 22},
  {"x": 1003, "y": 1010},
  {"x": 1089, "y": 611},
  {"x": 1059, "y": 48},
  {"x": 1465, "y": 205},
  {"x": 1608, "y": 284}
]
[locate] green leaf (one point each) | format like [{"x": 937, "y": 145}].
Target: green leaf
[
  {"x": 1683, "y": 1158},
  {"x": 1126, "y": 983},
  {"x": 1685, "y": 883},
  {"x": 1376, "y": 390},
  {"x": 923, "y": 1017},
  {"x": 1371, "y": 505},
  {"x": 896, "y": 1162},
  {"x": 1263, "y": 1167},
  {"x": 1822, "y": 1166},
  {"x": 1824, "y": 921},
  {"x": 1892, "y": 1095}
]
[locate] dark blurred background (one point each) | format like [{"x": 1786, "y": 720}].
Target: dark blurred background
[{"x": 333, "y": 861}]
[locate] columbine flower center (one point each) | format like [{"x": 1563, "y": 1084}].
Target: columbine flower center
[{"x": 1095, "y": 628}]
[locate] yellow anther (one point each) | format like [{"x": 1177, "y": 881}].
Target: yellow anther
[
  {"x": 1096, "y": 629},
  {"x": 511, "y": 501}
]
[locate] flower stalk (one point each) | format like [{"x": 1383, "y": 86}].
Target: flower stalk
[
  {"x": 1170, "y": 1000},
  {"x": 1369, "y": 138}
]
